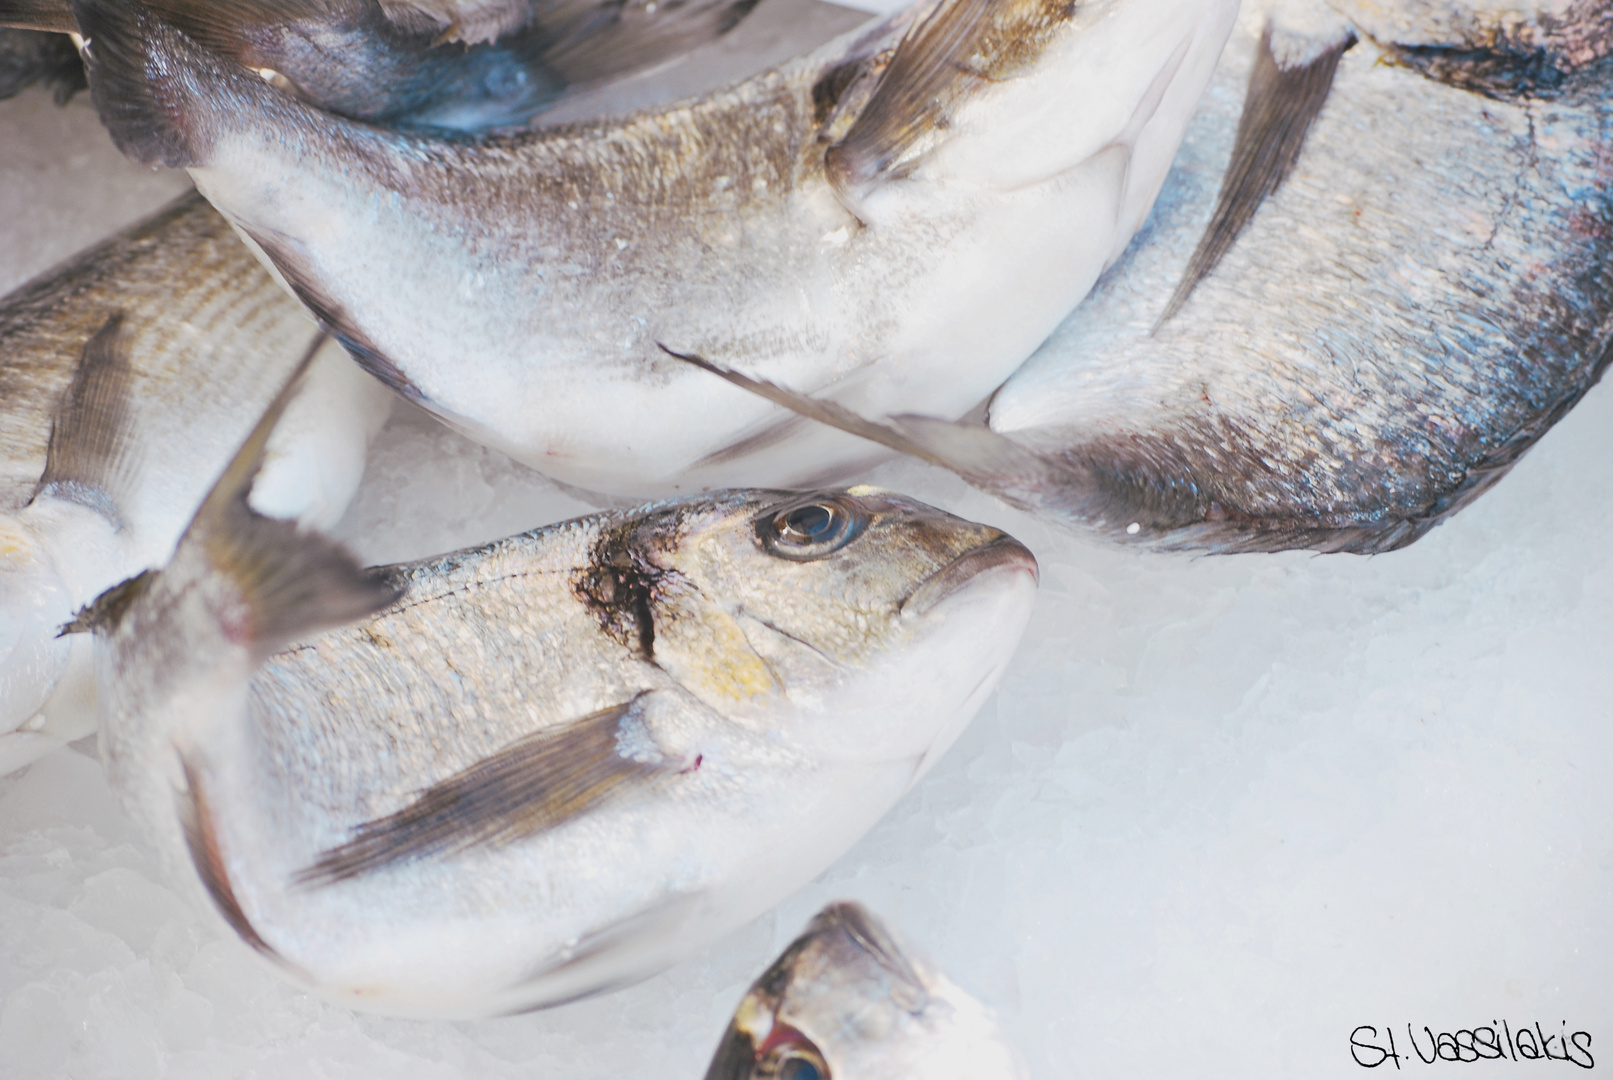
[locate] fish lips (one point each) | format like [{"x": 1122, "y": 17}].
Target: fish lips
[{"x": 1004, "y": 555}]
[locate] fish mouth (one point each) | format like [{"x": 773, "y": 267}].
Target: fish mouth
[{"x": 1003, "y": 553}]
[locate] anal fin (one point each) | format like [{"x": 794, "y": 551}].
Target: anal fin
[{"x": 1282, "y": 103}]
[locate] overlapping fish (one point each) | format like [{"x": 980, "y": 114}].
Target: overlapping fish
[
  {"x": 553, "y": 764},
  {"x": 1370, "y": 322},
  {"x": 846, "y": 1002},
  {"x": 909, "y": 212},
  {"x": 128, "y": 377},
  {"x": 452, "y": 66}
]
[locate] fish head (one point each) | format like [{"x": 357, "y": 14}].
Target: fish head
[
  {"x": 852, "y": 623},
  {"x": 846, "y": 1002},
  {"x": 34, "y": 602}
]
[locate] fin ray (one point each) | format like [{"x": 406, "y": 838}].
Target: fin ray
[
  {"x": 93, "y": 455},
  {"x": 909, "y": 109},
  {"x": 1278, "y": 110},
  {"x": 535, "y": 784}
]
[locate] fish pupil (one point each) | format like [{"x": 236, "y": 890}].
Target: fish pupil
[
  {"x": 800, "y": 1069},
  {"x": 814, "y": 523}
]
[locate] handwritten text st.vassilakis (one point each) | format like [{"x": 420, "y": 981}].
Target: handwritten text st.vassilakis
[{"x": 1372, "y": 1046}]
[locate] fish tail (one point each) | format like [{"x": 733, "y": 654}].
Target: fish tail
[{"x": 267, "y": 581}]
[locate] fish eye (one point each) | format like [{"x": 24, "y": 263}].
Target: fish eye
[
  {"x": 797, "y": 1059},
  {"x": 810, "y": 529}
]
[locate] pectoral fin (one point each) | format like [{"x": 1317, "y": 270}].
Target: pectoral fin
[
  {"x": 992, "y": 462},
  {"x": 535, "y": 784},
  {"x": 1281, "y": 104},
  {"x": 93, "y": 454},
  {"x": 909, "y": 112}
]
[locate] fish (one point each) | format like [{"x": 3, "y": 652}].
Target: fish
[
  {"x": 526, "y": 772},
  {"x": 907, "y": 211},
  {"x": 846, "y": 1001},
  {"x": 448, "y": 66},
  {"x": 128, "y": 377},
  {"x": 1362, "y": 297},
  {"x": 28, "y": 57}
]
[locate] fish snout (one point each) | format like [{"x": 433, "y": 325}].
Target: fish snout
[{"x": 1000, "y": 555}]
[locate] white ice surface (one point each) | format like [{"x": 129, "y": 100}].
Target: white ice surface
[{"x": 1221, "y": 812}]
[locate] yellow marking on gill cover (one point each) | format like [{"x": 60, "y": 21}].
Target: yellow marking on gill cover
[{"x": 714, "y": 655}]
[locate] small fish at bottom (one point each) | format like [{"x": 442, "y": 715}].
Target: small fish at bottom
[{"x": 846, "y": 1002}]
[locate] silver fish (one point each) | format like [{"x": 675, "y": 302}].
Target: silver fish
[
  {"x": 553, "y": 764},
  {"x": 1401, "y": 285},
  {"x": 456, "y": 67},
  {"x": 846, "y": 1002},
  {"x": 128, "y": 377},
  {"x": 908, "y": 212}
]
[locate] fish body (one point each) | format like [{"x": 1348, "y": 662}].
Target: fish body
[
  {"x": 1397, "y": 285},
  {"x": 905, "y": 214},
  {"x": 846, "y": 1001},
  {"x": 552, "y": 764},
  {"x": 129, "y": 376}
]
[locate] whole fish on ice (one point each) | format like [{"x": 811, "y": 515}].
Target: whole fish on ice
[
  {"x": 846, "y": 1002},
  {"x": 908, "y": 212},
  {"x": 549, "y": 765},
  {"x": 1365, "y": 327},
  {"x": 462, "y": 67},
  {"x": 128, "y": 376}
]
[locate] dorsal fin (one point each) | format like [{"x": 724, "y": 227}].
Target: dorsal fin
[
  {"x": 1281, "y": 104},
  {"x": 93, "y": 454},
  {"x": 532, "y": 785}
]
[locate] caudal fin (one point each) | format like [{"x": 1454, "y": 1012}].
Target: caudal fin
[{"x": 281, "y": 581}]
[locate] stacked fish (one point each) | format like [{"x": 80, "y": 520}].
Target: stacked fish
[{"x": 510, "y": 776}]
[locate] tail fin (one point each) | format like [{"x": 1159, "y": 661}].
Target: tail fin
[{"x": 285, "y": 582}]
